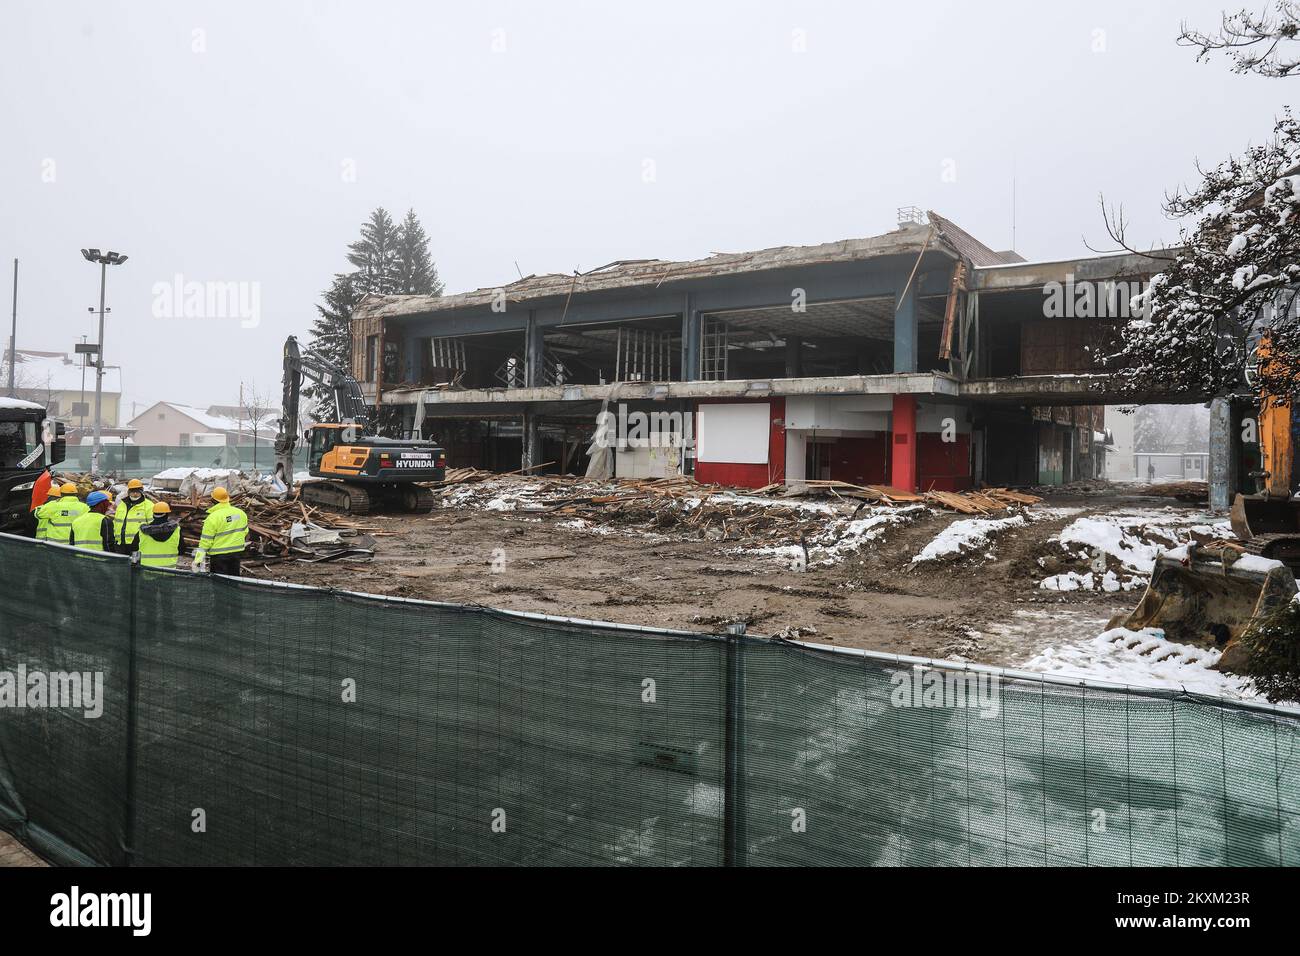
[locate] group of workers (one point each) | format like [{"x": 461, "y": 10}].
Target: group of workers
[{"x": 140, "y": 526}]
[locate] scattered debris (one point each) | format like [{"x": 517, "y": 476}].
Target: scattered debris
[
  {"x": 271, "y": 523},
  {"x": 806, "y": 523},
  {"x": 1190, "y": 491}
]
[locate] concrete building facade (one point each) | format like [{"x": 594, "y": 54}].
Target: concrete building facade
[{"x": 920, "y": 358}]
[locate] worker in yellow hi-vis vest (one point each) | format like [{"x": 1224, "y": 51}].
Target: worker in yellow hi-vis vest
[
  {"x": 133, "y": 510},
  {"x": 63, "y": 512},
  {"x": 45, "y": 511},
  {"x": 93, "y": 531},
  {"x": 160, "y": 539},
  {"x": 225, "y": 531}
]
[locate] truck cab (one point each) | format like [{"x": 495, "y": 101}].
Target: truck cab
[{"x": 23, "y": 435}]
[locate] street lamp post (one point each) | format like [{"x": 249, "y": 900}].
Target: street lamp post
[
  {"x": 13, "y": 336},
  {"x": 105, "y": 259}
]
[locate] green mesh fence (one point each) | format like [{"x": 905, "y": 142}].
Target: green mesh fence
[{"x": 248, "y": 723}]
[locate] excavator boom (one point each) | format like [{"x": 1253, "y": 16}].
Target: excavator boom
[
  {"x": 361, "y": 470},
  {"x": 348, "y": 400}
]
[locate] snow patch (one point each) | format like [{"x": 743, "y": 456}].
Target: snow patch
[
  {"x": 18, "y": 403},
  {"x": 1143, "y": 659},
  {"x": 966, "y": 535}
]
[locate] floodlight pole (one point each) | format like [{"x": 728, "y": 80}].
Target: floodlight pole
[
  {"x": 99, "y": 371},
  {"x": 13, "y": 336}
]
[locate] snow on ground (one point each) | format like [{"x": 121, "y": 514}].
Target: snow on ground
[
  {"x": 1121, "y": 547},
  {"x": 202, "y": 474},
  {"x": 1074, "y": 581},
  {"x": 1142, "y": 659},
  {"x": 966, "y": 535},
  {"x": 841, "y": 533},
  {"x": 1046, "y": 513},
  {"x": 1071, "y": 642},
  {"x": 813, "y": 507},
  {"x": 842, "y": 536}
]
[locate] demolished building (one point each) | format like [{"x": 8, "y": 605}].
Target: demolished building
[{"x": 921, "y": 359}]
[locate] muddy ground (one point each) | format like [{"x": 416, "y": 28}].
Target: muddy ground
[{"x": 985, "y": 607}]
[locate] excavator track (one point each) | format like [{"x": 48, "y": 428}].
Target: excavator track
[
  {"x": 418, "y": 499},
  {"x": 337, "y": 496},
  {"x": 1279, "y": 547}
]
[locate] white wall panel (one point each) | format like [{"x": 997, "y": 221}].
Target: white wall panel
[{"x": 737, "y": 434}]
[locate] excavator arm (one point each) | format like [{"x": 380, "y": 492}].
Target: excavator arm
[{"x": 348, "y": 400}]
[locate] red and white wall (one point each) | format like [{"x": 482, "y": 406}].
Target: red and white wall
[
  {"x": 740, "y": 443},
  {"x": 863, "y": 439}
]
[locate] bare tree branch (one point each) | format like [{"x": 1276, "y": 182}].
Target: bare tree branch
[{"x": 1259, "y": 44}]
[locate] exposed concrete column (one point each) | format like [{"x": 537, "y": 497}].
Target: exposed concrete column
[
  {"x": 1224, "y": 447},
  {"x": 691, "y": 327},
  {"x": 534, "y": 350},
  {"x": 530, "y": 444},
  {"x": 793, "y": 357},
  {"x": 905, "y": 340},
  {"x": 903, "y": 443}
]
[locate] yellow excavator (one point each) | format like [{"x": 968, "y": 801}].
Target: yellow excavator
[
  {"x": 1211, "y": 594},
  {"x": 365, "y": 471}
]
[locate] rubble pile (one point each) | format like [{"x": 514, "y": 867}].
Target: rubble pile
[{"x": 680, "y": 504}]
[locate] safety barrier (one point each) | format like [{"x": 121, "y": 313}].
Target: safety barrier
[
  {"x": 144, "y": 461},
  {"x": 244, "y": 722}
]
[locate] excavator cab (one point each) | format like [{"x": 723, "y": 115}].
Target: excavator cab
[{"x": 320, "y": 441}]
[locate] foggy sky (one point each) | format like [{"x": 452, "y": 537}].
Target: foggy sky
[{"x": 221, "y": 155}]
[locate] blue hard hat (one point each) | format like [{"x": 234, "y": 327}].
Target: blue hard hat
[{"x": 95, "y": 497}]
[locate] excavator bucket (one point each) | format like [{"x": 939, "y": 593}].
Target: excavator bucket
[
  {"x": 1271, "y": 524},
  {"x": 1210, "y": 599}
]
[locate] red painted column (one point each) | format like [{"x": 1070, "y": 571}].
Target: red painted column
[{"x": 904, "y": 444}]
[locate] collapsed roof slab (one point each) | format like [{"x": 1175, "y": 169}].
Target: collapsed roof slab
[{"x": 909, "y": 240}]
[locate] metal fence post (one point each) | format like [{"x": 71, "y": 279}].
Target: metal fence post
[
  {"x": 733, "y": 810},
  {"x": 132, "y": 574}
]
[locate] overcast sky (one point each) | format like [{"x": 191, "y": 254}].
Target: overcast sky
[{"x": 246, "y": 142}]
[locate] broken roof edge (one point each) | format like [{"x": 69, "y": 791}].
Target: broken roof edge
[
  {"x": 971, "y": 249},
  {"x": 1152, "y": 254},
  {"x": 1110, "y": 265},
  {"x": 908, "y": 239}
]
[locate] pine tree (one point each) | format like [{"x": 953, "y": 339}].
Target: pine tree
[
  {"x": 418, "y": 274},
  {"x": 388, "y": 259},
  {"x": 331, "y": 338},
  {"x": 375, "y": 256}
]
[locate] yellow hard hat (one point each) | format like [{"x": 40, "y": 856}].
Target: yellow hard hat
[
  {"x": 220, "y": 494},
  {"x": 133, "y": 484},
  {"x": 162, "y": 508},
  {"x": 68, "y": 489}
]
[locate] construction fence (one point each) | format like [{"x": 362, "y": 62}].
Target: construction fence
[
  {"x": 144, "y": 461},
  {"x": 243, "y": 722}
]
